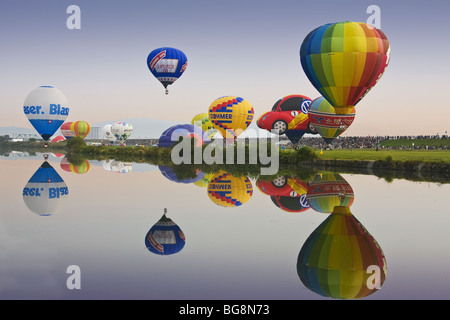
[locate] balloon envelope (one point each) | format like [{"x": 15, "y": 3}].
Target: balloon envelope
[
  {"x": 170, "y": 174},
  {"x": 165, "y": 237},
  {"x": 202, "y": 120},
  {"x": 230, "y": 116},
  {"x": 46, "y": 108},
  {"x": 344, "y": 60},
  {"x": 173, "y": 134},
  {"x": 66, "y": 130},
  {"x": 121, "y": 130},
  {"x": 329, "y": 190},
  {"x": 107, "y": 132},
  {"x": 80, "y": 128},
  {"x": 326, "y": 122},
  {"x": 229, "y": 191},
  {"x": 340, "y": 259},
  {"x": 46, "y": 192},
  {"x": 167, "y": 64}
]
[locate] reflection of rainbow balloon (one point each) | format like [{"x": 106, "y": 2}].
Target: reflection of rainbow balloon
[
  {"x": 344, "y": 61},
  {"x": 229, "y": 191},
  {"x": 329, "y": 190},
  {"x": 230, "y": 116},
  {"x": 326, "y": 122},
  {"x": 165, "y": 237},
  {"x": 80, "y": 128},
  {"x": 45, "y": 192},
  {"x": 204, "y": 181},
  {"x": 202, "y": 120},
  {"x": 340, "y": 259}
]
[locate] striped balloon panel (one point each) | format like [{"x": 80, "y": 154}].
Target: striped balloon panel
[
  {"x": 344, "y": 60},
  {"x": 80, "y": 128},
  {"x": 337, "y": 258}
]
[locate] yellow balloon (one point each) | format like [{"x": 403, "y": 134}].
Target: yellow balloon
[
  {"x": 230, "y": 115},
  {"x": 202, "y": 120},
  {"x": 229, "y": 191}
]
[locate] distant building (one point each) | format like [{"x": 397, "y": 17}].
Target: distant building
[{"x": 96, "y": 133}]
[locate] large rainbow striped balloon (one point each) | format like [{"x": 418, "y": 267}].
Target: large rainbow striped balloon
[
  {"x": 344, "y": 61},
  {"x": 230, "y": 116},
  {"x": 340, "y": 259}
]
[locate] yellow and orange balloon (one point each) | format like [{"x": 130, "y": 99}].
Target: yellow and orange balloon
[{"x": 80, "y": 128}]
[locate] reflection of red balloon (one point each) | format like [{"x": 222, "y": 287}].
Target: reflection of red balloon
[{"x": 340, "y": 259}]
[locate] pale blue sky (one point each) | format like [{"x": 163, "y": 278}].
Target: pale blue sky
[{"x": 244, "y": 48}]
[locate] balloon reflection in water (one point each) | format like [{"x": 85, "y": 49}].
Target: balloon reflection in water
[
  {"x": 329, "y": 190},
  {"x": 117, "y": 166},
  {"x": 227, "y": 190},
  {"x": 340, "y": 259},
  {"x": 165, "y": 237},
  {"x": 287, "y": 193},
  {"x": 45, "y": 192},
  {"x": 83, "y": 167},
  {"x": 170, "y": 174}
]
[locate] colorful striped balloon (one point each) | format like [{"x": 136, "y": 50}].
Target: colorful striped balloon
[
  {"x": 344, "y": 61},
  {"x": 326, "y": 122},
  {"x": 340, "y": 259},
  {"x": 329, "y": 190},
  {"x": 202, "y": 120},
  {"x": 230, "y": 116},
  {"x": 227, "y": 190},
  {"x": 80, "y": 128}
]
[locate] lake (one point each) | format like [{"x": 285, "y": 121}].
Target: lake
[{"x": 99, "y": 231}]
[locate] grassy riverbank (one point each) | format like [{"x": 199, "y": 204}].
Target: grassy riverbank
[{"x": 382, "y": 154}]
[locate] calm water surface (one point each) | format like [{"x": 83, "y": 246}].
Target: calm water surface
[{"x": 228, "y": 238}]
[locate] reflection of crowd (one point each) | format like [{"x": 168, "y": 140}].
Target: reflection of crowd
[{"x": 368, "y": 142}]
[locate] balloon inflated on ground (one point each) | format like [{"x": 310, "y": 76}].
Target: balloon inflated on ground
[
  {"x": 173, "y": 135},
  {"x": 121, "y": 130},
  {"x": 108, "y": 133},
  {"x": 326, "y": 122},
  {"x": 80, "y": 128},
  {"x": 202, "y": 120},
  {"x": 167, "y": 65},
  {"x": 344, "y": 60},
  {"x": 46, "y": 108},
  {"x": 231, "y": 116}
]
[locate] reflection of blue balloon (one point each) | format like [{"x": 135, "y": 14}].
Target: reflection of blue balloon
[
  {"x": 167, "y": 65},
  {"x": 46, "y": 108},
  {"x": 45, "y": 192},
  {"x": 165, "y": 237},
  {"x": 172, "y": 135},
  {"x": 170, "y": 174}
]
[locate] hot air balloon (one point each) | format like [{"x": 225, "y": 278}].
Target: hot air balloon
[
  {"x": 329, "y": 190},
  {"x": 344, "y": 61},
  {"x": 340, "y": 259},
  {"x": 165, "y": 237},
  {"x": 324, "y": 119},
  {"x": 167, "y": 65},
  {"x": 46, "y": 192},
  {"x": 80, "y": 128},
  {"x": 227, "y": 190},
  {"x": 108, "y": 133},
  {"x": 66, "y": 130},
  {"x": 58, "y": 139},
  {"x": 173, "y": 134},
  {"x": 230, "y": 115},
  {"x": 202, "y": 120},
  {"x": 121, "y": 130},
  {"x": 46, "y": 108}
]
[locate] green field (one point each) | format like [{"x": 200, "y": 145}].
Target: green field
[
  {"x": 400, "y": 155},
  {"x": 409, "y": 143}
]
